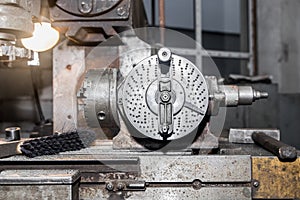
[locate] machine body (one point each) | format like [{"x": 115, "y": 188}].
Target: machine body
[{"x": 153, "y": 112}]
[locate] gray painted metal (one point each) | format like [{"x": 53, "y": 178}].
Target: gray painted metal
[
  {"x": 245, "y": 135},
  {"x": 66, "y": 73},
  {"x": 39, "y": 184},
  {"x": 34, "y": 192},
  {"x": 16, "y": 177},
  {"x": 169, "y": 177},
  {"x": 189, "y": 168},
  {"x": 99, "y": 96},
  {"x": 17, "y": 18},
  {"x": 132, "y": 52},
  {"x": 198, "y": 20},
  {"x": 207, "y": 193},
  {"x": 212, "y": 53}
]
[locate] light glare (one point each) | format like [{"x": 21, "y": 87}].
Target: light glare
[{"x": 44, "y": 37}]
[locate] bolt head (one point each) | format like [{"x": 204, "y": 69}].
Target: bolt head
[
  {"x": 121, "y": 11},
  {"x": 197, "y": 184},
  {"x": 164, "y": 55},
  {"x": 101, "y": 115},
  {"x": 109, "y": 186},
  {"x": 255, "y": 183},
  {"x": 165, "y": 129}
]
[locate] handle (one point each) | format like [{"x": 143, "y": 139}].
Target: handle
[{"x": 283, "y": 151}]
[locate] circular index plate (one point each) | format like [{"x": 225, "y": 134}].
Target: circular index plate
[{"x": 190, "y": 97}]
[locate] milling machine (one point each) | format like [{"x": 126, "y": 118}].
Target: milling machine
[{"x": 157, "y": 117}]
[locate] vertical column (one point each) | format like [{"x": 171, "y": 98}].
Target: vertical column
[
  {"x": 252, "y": 36},
  {"x": 198, "y": 28}
]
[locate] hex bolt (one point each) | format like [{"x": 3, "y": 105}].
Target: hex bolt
[
  {"x": 121, "y": 11},
  {"x": 109, "y": 186},
  {"x": 85, "y": 7},
  {"x": 255, "y": 183}
]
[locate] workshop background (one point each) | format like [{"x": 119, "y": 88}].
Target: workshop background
[{"x": 224, "y": 27}]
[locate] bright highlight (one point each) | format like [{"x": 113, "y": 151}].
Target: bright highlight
[{"x": 44, "y": 37}]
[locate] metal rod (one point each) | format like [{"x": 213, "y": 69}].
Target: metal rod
[
  {"x": 198, "y": 28},
  {"x": 211, "y": 53},
  {"x": 244, "y": 35},
  {"x": 162, "y": 21},
  {"x": 283, "y": 151},
  {"x": 226, "y": 54},
  {"x": 153, "y": 12},
  {"x": 252, "y": 37}
]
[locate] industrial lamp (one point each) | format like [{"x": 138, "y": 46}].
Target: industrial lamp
[{"x": 44, "y": 37}]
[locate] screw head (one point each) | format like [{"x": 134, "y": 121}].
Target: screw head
[
  {"x": 255, "y": 183},
  {"x": 85, "y": 7},
  {"x": 109, "y": 186},
  {"x": 197, "y": 184},
  {"x": 101, "y": 115},
  {"x": 121, "y": 11},
  {"x": 165, "y": 96}
]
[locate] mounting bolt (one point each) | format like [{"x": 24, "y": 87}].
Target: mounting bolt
[
  {"x": 121, "y": 11},
  {"x": 164, "y": 55},
  {"x": 255, "y": 183},
  {"x": 120, "y": 186},
  {"x": 197, "y": 184},
  {"x": 85, "y": 6},
  {"x": 109, "y": 186}
]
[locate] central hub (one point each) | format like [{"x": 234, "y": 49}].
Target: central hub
[
  {"x": 176, "y": 96},
  {"x": 165, "y": 96}
]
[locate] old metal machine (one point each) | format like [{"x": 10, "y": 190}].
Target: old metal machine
[{"x": 158, "y": 118}]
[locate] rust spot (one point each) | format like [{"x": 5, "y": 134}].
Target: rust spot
[
  {"x": 284, "y": 169},
  {"x": 258, "y": 166},
  {"x": 69, "y": 67}
]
